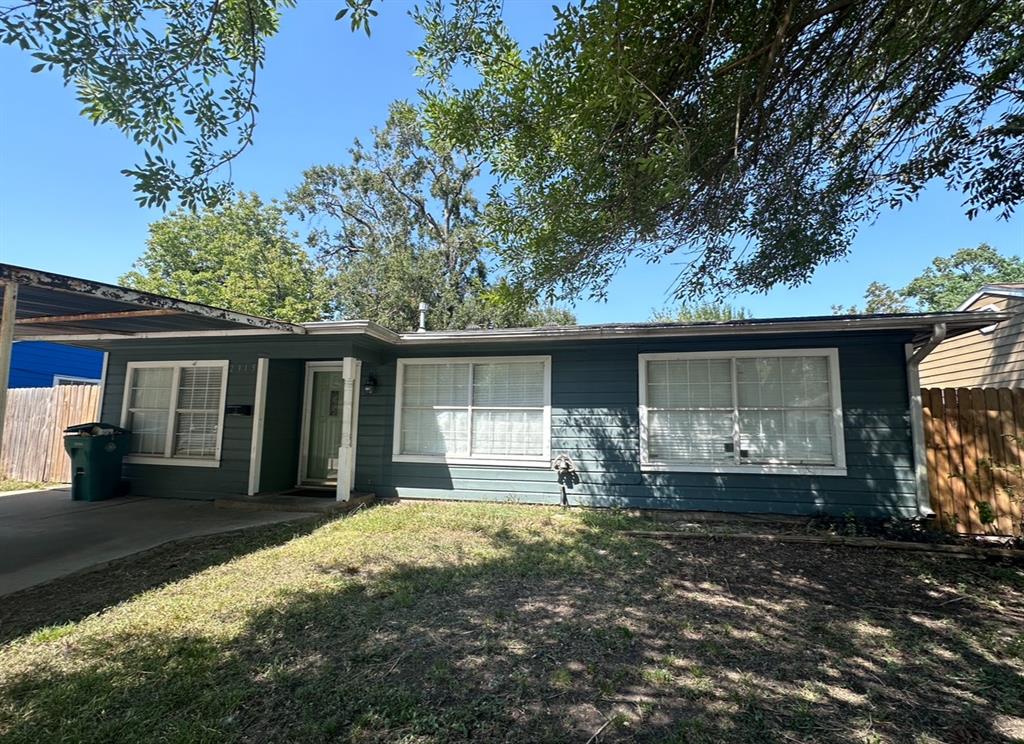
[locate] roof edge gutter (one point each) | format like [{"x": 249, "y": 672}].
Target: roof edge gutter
[
  {"x": 914, "y": 359},
  {"x": 584, "y": 333},
  {"x": 937, "y": 336}
]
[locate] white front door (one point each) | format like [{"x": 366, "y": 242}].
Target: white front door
[
  {"x": 330, "y": 423},
  {"x": 325, "y": 392}
]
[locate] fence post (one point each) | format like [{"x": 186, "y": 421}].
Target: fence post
[{"x": 10, "y": 310}]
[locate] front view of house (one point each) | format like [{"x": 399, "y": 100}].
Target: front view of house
[{"x": 787, "y": 416}]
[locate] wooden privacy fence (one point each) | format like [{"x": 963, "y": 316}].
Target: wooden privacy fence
[
  {"x": 33, "y": 446},
  {"x": 973, "y": 438}
]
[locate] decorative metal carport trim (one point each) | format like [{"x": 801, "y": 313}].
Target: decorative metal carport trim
[
  {"x": 54, "y": 312},
  {"x": 143, "y": 300},
  {"x": 85, "y": 317}
]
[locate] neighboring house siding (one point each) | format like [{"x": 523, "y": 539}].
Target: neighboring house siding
[
  {"x": 595, "y": 420},
  {"x": 981, "y": 360},
  {"x": 34, "y": 363}
]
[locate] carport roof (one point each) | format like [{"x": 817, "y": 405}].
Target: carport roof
[{"x": 58, "y": 306}]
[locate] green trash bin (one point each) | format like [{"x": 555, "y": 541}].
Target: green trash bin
[{"x": 96, "y": 450}]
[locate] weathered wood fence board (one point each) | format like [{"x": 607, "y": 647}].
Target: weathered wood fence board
[
  {"x": 33, "y": 447},
  {"x": 974, "y": 458}
]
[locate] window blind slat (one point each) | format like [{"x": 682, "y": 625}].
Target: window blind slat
[
  {"x": 781, "y": 410},
  {"x": 196, "y": 415},
  {"x": 504, "y": 410},
  {"x": 508, "y": 432},
  {"x": 508, "y": 384}
]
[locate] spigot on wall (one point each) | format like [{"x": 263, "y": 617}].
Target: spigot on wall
[{"x": 568, "y": 476}]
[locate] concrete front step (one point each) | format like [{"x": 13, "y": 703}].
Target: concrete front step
[{"x": 292, "y": 502}]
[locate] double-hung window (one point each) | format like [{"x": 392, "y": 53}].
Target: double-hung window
[
  {"x": 742, "y": 411},
  {"x": 483, "y": 411},
  {"x": 175, "y": 411}
]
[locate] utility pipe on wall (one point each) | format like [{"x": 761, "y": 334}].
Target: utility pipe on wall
[{"x": 914, "y": 359}]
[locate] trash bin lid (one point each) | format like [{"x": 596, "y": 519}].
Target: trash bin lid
[{"x": 95, "y": 429}]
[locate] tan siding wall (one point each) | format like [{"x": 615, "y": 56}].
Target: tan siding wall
[{"x": 981, "y": 360}]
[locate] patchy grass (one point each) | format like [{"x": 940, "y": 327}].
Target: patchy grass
[
  {"x": 439, "y": 623},
  {"x": 10, "y": 484},
  {"x": 52, "y": 608}
]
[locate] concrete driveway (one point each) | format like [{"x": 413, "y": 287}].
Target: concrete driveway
[{"x": 44, "y": 534}]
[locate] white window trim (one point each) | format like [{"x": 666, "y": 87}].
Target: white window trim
[
  {"x": 989, "y": 308},
  {"x": 776, "y": 467},
  {"x": 177, "y": 366},
  {"x": 57, "y": 379},
  {"x": 544, "y": 461}
]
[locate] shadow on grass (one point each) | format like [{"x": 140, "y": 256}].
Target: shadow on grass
[
  {"x": 559, "y": 637},
  {"x": 74, "y": 597}
]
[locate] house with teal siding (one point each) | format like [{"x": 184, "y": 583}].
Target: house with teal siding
[{"x": 796, "y": 416}]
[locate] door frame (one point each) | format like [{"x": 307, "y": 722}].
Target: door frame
[{"x": 307, "y": 405}]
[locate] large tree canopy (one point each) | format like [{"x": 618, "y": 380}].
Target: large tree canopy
[
  {"x": 751, "y": 137},
  {"x": 399, "y": 225},
  {"x": 950, "y": 280},
  {"x": 160, "y": 71},
  {"x": 176, "y": 76},
  {"x": 945, "y": 284},
  {"x": 239, "y": 255}
]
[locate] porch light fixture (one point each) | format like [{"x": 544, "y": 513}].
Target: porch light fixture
[{"x": 370, "y": 385}]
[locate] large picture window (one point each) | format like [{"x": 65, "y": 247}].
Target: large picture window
[
  {"x": 175, "y": 411},
  {"x": 487, "y": 410},
  {"x": 760, "y": 411}
]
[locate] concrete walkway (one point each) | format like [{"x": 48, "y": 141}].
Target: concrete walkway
[{"x": 44, "y": 534}]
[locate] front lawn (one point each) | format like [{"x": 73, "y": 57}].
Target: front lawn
[{"x": 439, "y": 622}]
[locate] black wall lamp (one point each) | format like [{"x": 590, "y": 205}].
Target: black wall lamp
[{"x": 370, "y": 385}]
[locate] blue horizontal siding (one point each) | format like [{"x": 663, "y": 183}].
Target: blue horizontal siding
[
  {"x": 595, "y": 420},
  {"x": 594, "y": 396},
  {"x": 34, "y": 363}
]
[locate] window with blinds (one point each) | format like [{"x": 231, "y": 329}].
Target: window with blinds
[
  {"x": 175, "y": 411},
  {"x": 760, "y": 411},
  {"x": 486, "y": 410}
]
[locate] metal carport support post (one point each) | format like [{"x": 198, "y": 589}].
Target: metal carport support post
[{"x": 6, "y": 343}]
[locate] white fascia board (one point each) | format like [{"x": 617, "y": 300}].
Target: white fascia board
[
  {"x": 353, "y": 327},
  {"x": 959, "y": 320},
  {"x": 990, "y": 290},
  {"x": 583, "y": 333}
]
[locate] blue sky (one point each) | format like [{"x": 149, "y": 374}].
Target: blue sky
[{"x": 65, "y": 207}]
